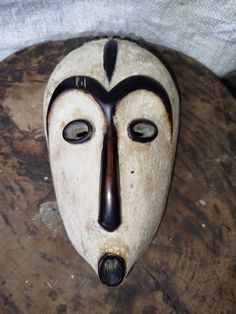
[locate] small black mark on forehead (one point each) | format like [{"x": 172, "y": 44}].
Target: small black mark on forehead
[{"x": 109, "y": 58}]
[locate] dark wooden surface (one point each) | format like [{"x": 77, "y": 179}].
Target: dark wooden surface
[{"x": 190, "y": 267}]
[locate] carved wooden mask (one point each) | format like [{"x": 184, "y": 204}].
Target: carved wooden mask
[{"x": 111, "y": 112}]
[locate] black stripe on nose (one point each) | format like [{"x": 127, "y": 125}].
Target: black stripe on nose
[{"x": 109, "y": 212}]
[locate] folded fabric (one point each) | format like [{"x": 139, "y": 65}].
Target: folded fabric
[{"x": 205, "y": 30}]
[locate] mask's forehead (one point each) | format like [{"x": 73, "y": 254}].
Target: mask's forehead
[{"x": 130, "y": 59}]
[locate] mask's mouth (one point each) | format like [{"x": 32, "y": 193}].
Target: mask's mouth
[{"x": 111, "y": 269}]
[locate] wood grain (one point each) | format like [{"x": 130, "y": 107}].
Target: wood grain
[{"x": 190, "y": 267}]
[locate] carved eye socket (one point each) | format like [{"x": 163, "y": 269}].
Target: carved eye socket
[
  {"x": 77, "y": 131},
  {"x": 142, "y": 130}
]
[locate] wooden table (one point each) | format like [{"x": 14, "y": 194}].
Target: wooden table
[{"x": 190, "y": 267}]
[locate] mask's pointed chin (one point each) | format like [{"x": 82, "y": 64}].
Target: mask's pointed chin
[{"x": 111, "y": 269}]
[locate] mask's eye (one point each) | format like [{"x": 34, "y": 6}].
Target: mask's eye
[
  {"x": 142, "y": 130},
  {"x": 77, "y": 131}
]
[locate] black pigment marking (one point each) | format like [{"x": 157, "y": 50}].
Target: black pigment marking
[
  {"x": 123, "y": 88},
  {"x": 109, "y": 212},
  {"x": 141, "y": 136},
  {"x": 81, "y": 137},
  {"x": 111, "y": 269},
  {"x": 109, "y": 58}
]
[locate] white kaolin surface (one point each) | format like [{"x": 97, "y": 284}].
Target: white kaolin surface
[{"x": 144, "y": 168}]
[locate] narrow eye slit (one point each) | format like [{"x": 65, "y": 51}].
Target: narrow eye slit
[
  {"x": 142, "y": 130},
  {"x": 77, "y": 131}
]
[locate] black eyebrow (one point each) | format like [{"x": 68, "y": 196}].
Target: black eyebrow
[{"x": 110, "y": 98}]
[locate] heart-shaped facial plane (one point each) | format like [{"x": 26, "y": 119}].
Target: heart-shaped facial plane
[{"x": 111, "y": 113}]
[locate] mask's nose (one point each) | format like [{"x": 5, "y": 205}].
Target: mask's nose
[
  {"x": 111, "y": 269},
  {"x": 109, "y": 213}
]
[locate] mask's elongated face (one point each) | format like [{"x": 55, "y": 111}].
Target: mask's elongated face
[{"x": 111, "y": 120}]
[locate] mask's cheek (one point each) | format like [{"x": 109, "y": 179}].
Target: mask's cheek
[
  {"x": 144, "y": 183},
  {"x": 76, "y": 175},
  {"x": 145, "y": 172}
]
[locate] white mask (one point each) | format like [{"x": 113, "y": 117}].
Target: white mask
[{"x": 111, "y": 113}]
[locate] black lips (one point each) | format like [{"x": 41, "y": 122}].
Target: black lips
[{"x": 111, "y": 269}]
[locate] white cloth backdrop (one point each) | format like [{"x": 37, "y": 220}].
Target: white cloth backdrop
[{"x": 203, "y": 29}]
